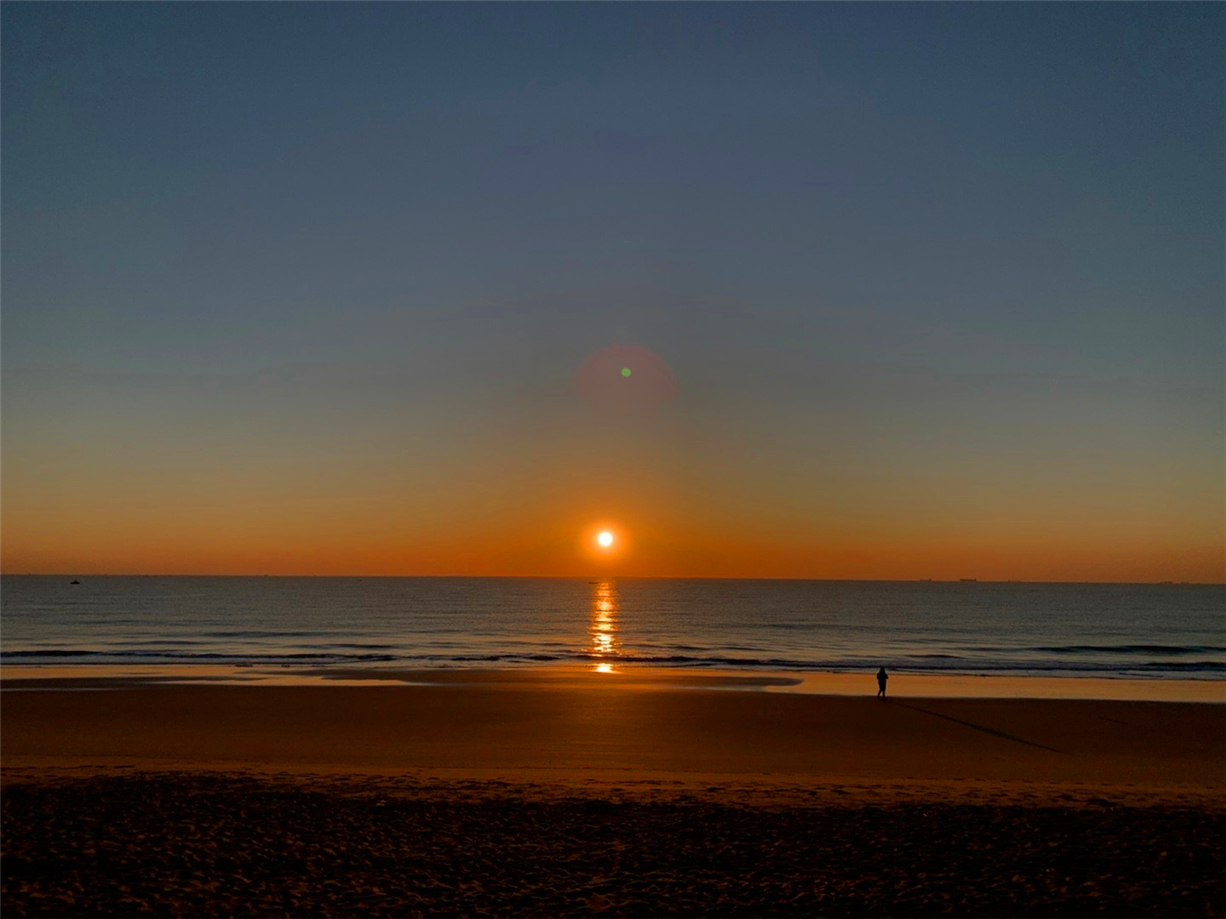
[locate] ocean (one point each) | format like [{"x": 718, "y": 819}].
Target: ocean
[{"x": 1105, "y": 630}]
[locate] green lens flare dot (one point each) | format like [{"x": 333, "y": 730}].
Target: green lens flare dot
[{"x": 625, "y": 371}]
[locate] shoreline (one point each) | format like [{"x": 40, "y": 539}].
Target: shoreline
[{"x": 903, "y": 684}]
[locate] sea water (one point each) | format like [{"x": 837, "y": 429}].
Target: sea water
[{"x": 1112, "y": 630}]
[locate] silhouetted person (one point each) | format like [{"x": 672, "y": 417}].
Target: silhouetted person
[{"x": 882, "y": 676}]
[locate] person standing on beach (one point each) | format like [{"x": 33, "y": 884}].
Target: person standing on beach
[{"x": 882, "y": 676}]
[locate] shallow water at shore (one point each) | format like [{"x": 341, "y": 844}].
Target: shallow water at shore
[{"x": 80, "y": 677}]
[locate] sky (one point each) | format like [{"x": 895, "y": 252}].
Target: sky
[{"x": 911, "y": 290}]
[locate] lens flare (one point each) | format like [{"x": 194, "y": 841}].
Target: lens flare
[{"x": 625, "y": 379}]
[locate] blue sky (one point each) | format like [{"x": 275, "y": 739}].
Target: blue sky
[{"x": 901, "y": 238}]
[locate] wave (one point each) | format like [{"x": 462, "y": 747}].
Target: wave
[
  {"x": 1172, "y": 650},
  {"x": 1071, "y": 664},
  {"x": 154, "y": 656}
]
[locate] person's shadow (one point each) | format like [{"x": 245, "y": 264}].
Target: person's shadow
[{"x": 979, "y": 727}]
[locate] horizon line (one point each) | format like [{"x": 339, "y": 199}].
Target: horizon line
[{"x": 607, "y": 577}]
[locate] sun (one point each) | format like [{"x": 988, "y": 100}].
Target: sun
[{"x": 605, "y": 538}]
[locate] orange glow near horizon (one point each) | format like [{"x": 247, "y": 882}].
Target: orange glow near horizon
[
  {"x": 660, "y": 554},
  {"x": 656, "y": 533}
]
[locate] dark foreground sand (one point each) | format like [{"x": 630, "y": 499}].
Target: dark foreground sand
[
  {"x": 545, "y": 796},
  {"x": 193, "y": 844}
]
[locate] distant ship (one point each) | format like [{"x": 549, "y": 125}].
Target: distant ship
[{"x": 969, "y": 580}]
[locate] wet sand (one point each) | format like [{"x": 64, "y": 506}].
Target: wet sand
[{"x": 562, "y": 793}]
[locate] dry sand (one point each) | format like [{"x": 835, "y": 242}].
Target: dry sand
[{"x": 555, "y": 793}]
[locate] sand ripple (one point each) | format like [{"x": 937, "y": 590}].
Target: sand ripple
[{"x": 201, "y": 845}]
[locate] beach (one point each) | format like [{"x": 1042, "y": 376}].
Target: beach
[
  {"x": 481, "y": 459},
  {"x": 554, "y": 792}
]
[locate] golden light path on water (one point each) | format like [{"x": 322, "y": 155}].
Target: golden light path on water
[{"x": 604, "y": 625}]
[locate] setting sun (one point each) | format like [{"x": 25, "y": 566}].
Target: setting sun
[{"x": 605, "y": 539}]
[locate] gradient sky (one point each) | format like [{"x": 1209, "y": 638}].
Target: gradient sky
[{"x": 306, "y": 288}]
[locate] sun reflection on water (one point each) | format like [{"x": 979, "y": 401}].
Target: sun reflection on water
[{"x": 603, "y": 629}]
